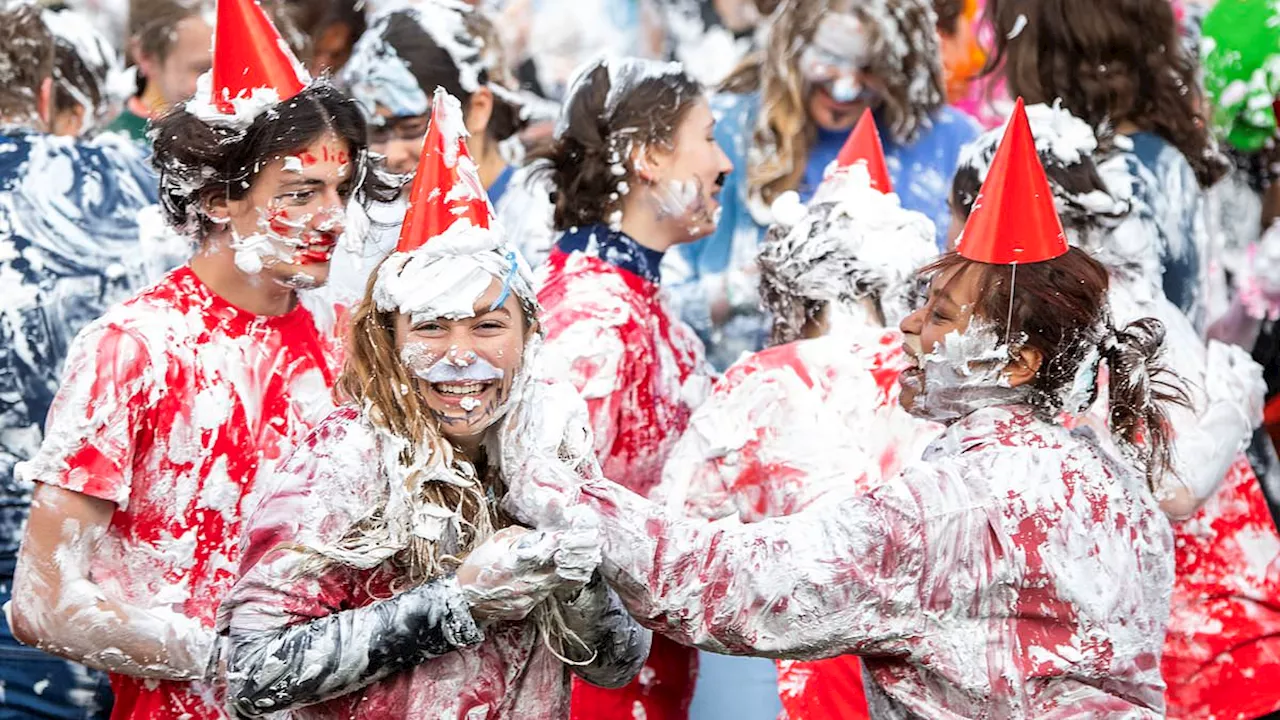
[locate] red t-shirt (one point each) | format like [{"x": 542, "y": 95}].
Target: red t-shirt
[
  {"x": 641, "y": 371},
  {"x": 175, "y": 405}
]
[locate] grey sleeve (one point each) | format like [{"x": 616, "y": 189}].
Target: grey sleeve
[
  {"x": 621, "y": 645},
  {"x": 274, "y": 670}
]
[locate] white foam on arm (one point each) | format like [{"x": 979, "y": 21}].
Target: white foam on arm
[{"x": 58, "y": 608}]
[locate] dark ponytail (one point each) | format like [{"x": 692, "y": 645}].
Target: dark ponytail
[
  {"x": 600, "y": 125},
  {"x": 1139, "y": 390}
]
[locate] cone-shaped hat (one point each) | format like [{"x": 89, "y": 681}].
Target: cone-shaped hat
[
  {"x": 1014, "y": 220},
  {"x": 864, "y": 144},
  {"x": 447, "y": 186},
  {"x": 249, "y": 54}
]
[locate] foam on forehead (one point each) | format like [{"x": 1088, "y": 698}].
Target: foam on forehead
[{"x": 447, "y": 276}]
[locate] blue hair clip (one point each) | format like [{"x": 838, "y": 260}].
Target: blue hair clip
[{"x": 506, "y": 282}]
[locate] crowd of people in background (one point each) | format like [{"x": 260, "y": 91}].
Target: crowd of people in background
[{"x": 639, "y": 359}]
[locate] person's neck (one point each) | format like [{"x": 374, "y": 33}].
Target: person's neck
[
  {"x": 491, "y": 164},
  {"x": 215, "y": 266},
  {"x": 472, "y": 450},
  {"x": 641, "y": 225},
  {"x": 1127, "y": 127},
  {"x": 149, "y": 104}
]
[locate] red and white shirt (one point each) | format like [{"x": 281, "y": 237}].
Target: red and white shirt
[
  {"x": 796, "y": 425},
  {"x": 642, "y": 371},
  {"x": 1018, "y": 570},
  {"x": 1222, "y": 653},
  {"x": 174, "y": 406}
]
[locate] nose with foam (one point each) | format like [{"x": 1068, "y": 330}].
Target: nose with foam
[{"x": 845, "y": 89}]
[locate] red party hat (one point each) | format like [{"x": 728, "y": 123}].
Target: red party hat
[
  {"x": 248, "y": 54},
  {"x": 447, "y": 186},
  {"x": 864, "y": 144},
  {"x": 1014, "y": 220}
]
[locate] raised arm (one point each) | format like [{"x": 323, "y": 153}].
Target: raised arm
[{"x": 844, "y": 578}]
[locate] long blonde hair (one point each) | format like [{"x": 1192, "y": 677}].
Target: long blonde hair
[
  {"x": 376, "y": 380},
  {"x": 783, "y": 132}
]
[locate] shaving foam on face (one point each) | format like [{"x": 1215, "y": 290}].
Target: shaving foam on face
[{"x": 962, "y": 373}]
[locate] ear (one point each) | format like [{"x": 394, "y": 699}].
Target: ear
[
  {"x": 479, "y": 110},
  {"x": 146, "y": 63},
  {"x": 218, "y": 207},
  {"x": 68, "y": 122},
  {"x": 648, "y": 162},
  {"x": 1024, "y": 366},
  {"x": 44, "y": 103}
]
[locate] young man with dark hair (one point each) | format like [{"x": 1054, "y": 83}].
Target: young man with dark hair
[
  {"x": 177, "y": 404},
  {"x": 169, "y": 41},
  {"x": 69, "y": 248}
]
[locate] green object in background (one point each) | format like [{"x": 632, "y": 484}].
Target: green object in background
[{"x": 1241, "y": 59}]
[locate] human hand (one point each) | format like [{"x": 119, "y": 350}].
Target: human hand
[{"x": 516, "y": 569}]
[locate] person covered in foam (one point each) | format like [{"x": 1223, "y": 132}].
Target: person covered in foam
[
  {"x": 395, "y": 66},
  {"x": 1215, "y": 653},
  {"x": 380, "y": 578},
  {"x": 836, "y": 280},
  {"x": 177, "y": 404},
  {"x": 637, "y": 172},
  {"x": 1019, "y": 569}
]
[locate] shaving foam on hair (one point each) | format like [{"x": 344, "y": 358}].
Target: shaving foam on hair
[
  {"x": 852, "y": 242},
  {"x": 247, "y": 108},
  {"x": 625, "y": 74},
  {"x": 378, "y": 76},
  {"x": 447, "y": 276}
]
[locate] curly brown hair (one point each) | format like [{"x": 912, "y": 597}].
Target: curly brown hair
[
  {"x": 1110, "y": 61},
  {"x": 905, "y": 57},
  {"x": 600, "y": 124}
]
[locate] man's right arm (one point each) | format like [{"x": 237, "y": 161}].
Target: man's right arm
[{"x": 58, "y": 608}]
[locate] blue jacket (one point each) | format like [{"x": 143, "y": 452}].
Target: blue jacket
[
  {"x": 921, "y": 173},
  {"x": 69, "y": 248}
]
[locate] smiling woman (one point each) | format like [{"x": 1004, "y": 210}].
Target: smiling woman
[{"x": 382, "y": 580}]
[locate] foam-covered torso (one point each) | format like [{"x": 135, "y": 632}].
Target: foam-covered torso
[
  {"x": 640, "y": 369},
  {"x": 335, "y": 479},
  {"x": 175, "y": 405}
]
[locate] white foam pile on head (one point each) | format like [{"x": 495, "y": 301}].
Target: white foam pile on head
[
  {"x": 447, "y": 275},
  {"x": 852, "y": 241},
  {"x": 246, "y": 106},
  {"x": 376, "y": 75}
]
